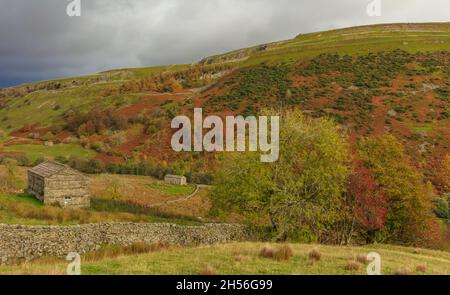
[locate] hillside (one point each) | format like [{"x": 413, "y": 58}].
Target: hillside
[
  {"x": 242, "y": 258},
  {"x": 370, "y": 79}
]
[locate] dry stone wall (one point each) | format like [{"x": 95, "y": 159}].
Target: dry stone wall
[{"x": 25, "y": 243}]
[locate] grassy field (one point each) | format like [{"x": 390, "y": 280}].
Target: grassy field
[
  {"x": 243, "y": 258},
  {"x": 40, "y": 106},
  {"x": 34, "y": 151},
  {"x": 146, "y": 192},
  {"x": 24, "y": 209},
  {"x": 174, "y": 190}
]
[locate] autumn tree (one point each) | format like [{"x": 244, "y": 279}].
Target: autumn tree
[
  {"x": 114, "y": 189},
  {"x": 441, "y": 173},
  {"x": 11, "y": 181},
  {"x": 368, "y": 203},
  {"x": 301, "y": 193},
  {"x": 409, "y": 212},
  {"x": 172, "y": 85},
  {"x": 95, "y": 121}
]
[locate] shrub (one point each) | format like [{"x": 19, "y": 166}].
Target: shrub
[
  {"x": 285, "y": 252},
  {"x": 267, "y": 252},
  {"x": 352, "y": 266},
  {"x": 48, "y": 136},
  {"x": 95, "y": 121},
  {"x": 117, "y": 139},
  {"x": 361, "y": 258},
  {"x": 112, "y": 251},
  {"x": 56, "y": 129},
  {"x": 21, "y": 160},
  {"x": 92, "y": 166},
  {"x": 11, "y": 182},
  {"x": 421, "y": 268},
  {"x": 99, "y": 147},
  {"x": 442, "y": 208},
  {"x": 199, "y": 178},
  {"x": 259, "y": 84},
  {"x": 314, "y": 255},
  {"x": 114, "y": 189},
  {"x": 72, "y": 139}
]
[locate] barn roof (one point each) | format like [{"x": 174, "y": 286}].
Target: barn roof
[{"x": 48, "y": 168}]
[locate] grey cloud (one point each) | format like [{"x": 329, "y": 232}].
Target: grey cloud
[{"x": 39, "y": 41}]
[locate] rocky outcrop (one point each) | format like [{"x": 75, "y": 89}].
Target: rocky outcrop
[{"x": 25, "y": 243}]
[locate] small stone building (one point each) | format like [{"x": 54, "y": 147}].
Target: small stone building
[
  {"x": 175, "y": 179},
  {"x": 57, "y": 184}
]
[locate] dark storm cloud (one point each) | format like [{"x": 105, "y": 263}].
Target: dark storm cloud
[{"x": 39, "y": 41}]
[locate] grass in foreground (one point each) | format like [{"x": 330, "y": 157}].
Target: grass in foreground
[{"x": 245, "y": 258}]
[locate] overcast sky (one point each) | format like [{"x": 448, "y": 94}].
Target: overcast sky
[{"x": 38, "y": 40}]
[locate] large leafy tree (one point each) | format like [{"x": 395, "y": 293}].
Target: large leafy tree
[{"x": 301, "y": 191}]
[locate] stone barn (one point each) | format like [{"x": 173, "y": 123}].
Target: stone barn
[
  {"x": 57, "y": 184},
  {"x": 175, "y": 179}
]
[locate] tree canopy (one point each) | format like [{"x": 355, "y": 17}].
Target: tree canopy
[{"x": 302, "y": 191}]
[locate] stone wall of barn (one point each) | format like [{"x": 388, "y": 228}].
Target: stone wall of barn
[
  {"x": 67, "y": 189},
  {"x": 175, "y": 180},
  {"x": 36, "y": 185}
]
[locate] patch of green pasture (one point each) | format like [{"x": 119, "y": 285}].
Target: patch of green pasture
[
  {"x": 34, "y": 152},
  {"x": 21, "y": 198},
  {"x": 8, "y": 217},
  {"x": 426, "y": 128},
  {"x": 46, "y": 107},
  {"x": 174, "y": 190}
]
